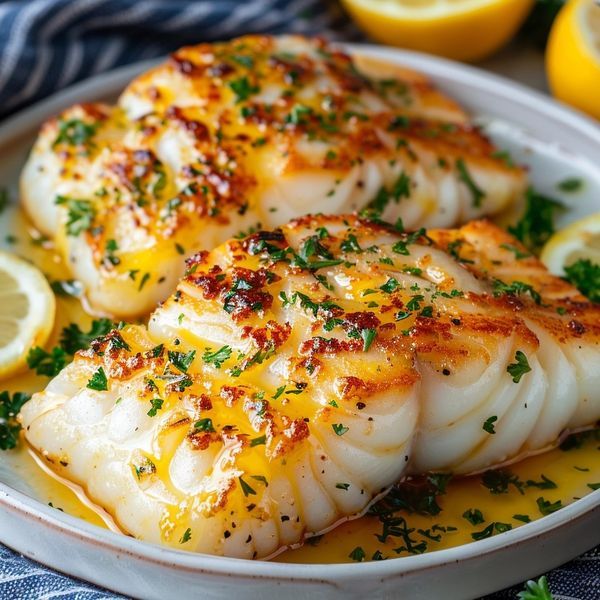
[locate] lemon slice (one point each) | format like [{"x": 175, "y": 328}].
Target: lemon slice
[
  {"x": 458, "y": 29},
  {"x": 573, "y": 56},
  {"x": 27, "y": 308},
  {"x": 580, "y": 240}
]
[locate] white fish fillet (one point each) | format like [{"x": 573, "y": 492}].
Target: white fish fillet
[
  {"x": 296, "y": 374},
  {"x": 257, "y": 130}
]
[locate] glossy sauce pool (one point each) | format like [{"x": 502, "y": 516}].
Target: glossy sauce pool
[{"x": 447, "y": 515}]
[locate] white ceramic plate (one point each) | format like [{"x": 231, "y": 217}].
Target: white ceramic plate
[{"x": 556, "y": 143}]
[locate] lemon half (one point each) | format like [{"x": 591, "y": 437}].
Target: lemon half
[
  {"x": 459, "y": 29},
  {"x": 27, "y": 309},
  {"x": 573, "y": 56},
  {"x": 580, "y": 240}
]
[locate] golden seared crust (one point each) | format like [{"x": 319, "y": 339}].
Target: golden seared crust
[{"x": 224, "y": 136}]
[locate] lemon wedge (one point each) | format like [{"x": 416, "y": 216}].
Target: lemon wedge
[
  {"x": 578, "y": 241},
  {"x": 465, "y": 30},
  {"x": 573, "y": 56},
  {"x": 27, "y": 308}
]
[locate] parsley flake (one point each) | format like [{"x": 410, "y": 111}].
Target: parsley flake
[
  {"x": 98, "y": 381},
  {"x": 518, "y": 369}
]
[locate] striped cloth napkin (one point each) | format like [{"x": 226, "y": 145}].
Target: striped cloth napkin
[{"x": 46, "y": 45}]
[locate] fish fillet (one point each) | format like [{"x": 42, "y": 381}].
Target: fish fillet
[
  {"x": 258, "y": 130},
  {"x": 295, "y": 374}
]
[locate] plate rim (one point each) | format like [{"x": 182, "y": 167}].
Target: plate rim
[{"x": 22, "y": 122}]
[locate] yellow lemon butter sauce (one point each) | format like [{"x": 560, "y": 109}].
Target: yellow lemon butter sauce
[{"x": 419, "y": 516}]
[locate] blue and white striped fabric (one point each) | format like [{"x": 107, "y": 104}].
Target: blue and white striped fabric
[{"x": 46, "y": 45}]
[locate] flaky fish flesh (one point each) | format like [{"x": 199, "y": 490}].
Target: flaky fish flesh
[
  {"x": 297, "y": 373},
  {"x": 258, "y": 130}
]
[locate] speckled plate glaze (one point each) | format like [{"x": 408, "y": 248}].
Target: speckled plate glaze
[{"x": 555, "y": 143}]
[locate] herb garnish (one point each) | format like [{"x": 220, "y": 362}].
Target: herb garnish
[
  {"x": 74, "y": 132},
  {"x": 156, "y": 404},
  {"x": 488, "y": 426},
  {"x": 98, "y": 381},
  {"x": 474, "y": 516},
  {"x": 186, "y": 537},
  {"x": 181, "y": 360},
  {"x": 518, "y": 369},
  {"x": 205, "y": 425},
  {"x": 571, "y": 184},
  {"x": 495, "y": 527},
  {"x": 464, "y": 175},
  {"x": 243, "y": 89},
  {"x": 585, "y": 276},
  {"x": 536, "y": 590},
  {"x": 248, "y": 490},
  {"x": 10, "y": 406},
  {"x": 537, "y": 223},
  {"x": 516, "y": 288},
  {"x": 80, "y": 214},
  {"x": 47, "y": 363},
  {"x": 339, "y": 429},
  {"x": 218, "y": 357},
  {"x": 358, "y": 554},
  {"x": 546, "y": 507}
]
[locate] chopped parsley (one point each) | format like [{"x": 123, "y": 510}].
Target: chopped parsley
[
  {"x": 401, "y": 247},
  {"x": 488, "y": 426},
  {"x": 518, "y": 369},
  {"x": 258, "y": 441},
  {"x": 156, "y": 404},
  {"x": 10, "y": 406},
  {"x": 350, "y": 244},
  {"x": 546, "y": 507},
  {"x": 571, "y": 184},
  {"x": 205, "y": 425},
  {"x": 80, "y": 214},
  {"x": 98, "y": 381},
  {"x": 218, "y": 357},
  {"x": 390, "y": 285},
  {"x": 400, "y": 189},
  {"x": 143, "y": 281},
  {"x": 247, "y": 489},
  {"x": 74, "y": 132},
  {"x": 519, "y": 254},
  {"x": 537, "y": 223},
  {"x": 495, "y": 527},
  {"x": 516, "y": 288},
  {"x": 243, "y": 89},
  {"x": 476, "y": 192},
  {"x": 585, "y": 276},
  {"x": 4, "y": 199},
  {"x": 47, "y": 363},
  {"x": 367, "y": 335},
  {"x": 497, "y": 481},
  {"x": 186, "y": 537},
  {"x": 522, "y": 518},
  {"x": 474, "y": 516},
  {"x": 181, "y": 360},
  {"x": 358, "y": 554},
  {"x": 536, "y": 590},
  {"x": 544, "y": 484},
  {"x": 73, "y": 338},
  {"x": 339, "y": 429},
  {"x": 67, "y": 287}
]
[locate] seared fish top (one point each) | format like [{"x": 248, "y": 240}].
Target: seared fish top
[
  {"x": 297, "y": 373},
  {"x": 223, "y": 137}
]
